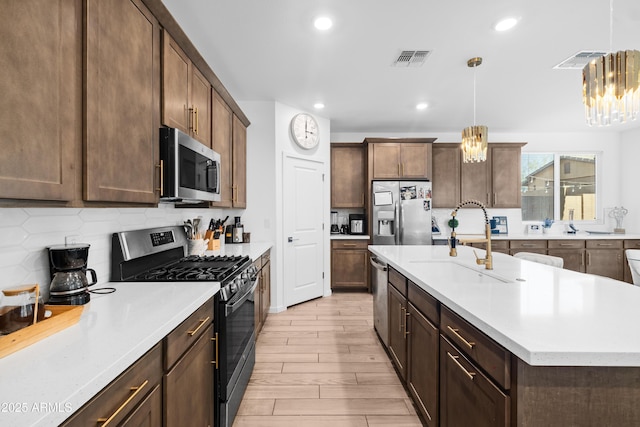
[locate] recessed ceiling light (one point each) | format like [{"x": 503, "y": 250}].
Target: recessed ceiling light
[
  {"x": 506, "y": 24},
  {"x": 323, "y": 23},
  {"x": 318, "y": 105},
  {"x": 422, "y": 106}
]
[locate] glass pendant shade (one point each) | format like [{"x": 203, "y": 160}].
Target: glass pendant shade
[
  {"x": 611, "y": 88},
  {"x": 474, "y": 144}
]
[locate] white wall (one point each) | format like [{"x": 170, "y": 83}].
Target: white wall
[{"x": 630, "y": 178}]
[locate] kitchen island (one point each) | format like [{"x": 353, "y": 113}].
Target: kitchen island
[{"x": 570, "y": 339}]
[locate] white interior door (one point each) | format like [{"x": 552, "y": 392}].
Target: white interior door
[{"x": 303, "y": 209}]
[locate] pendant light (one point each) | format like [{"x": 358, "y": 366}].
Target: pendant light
[
  {"x": 610, "y": 85},
  {"x": 474, "y": 138}
]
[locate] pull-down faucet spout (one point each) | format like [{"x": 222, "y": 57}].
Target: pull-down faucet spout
[{"x": 487, "y": 261}]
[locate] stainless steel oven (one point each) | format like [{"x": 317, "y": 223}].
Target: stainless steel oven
[
  {"x": 235, "y": 324},
  {"x": 158, "y": 255}
]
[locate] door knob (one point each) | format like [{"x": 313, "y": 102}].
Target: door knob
[{"x": 291, "y": 239}]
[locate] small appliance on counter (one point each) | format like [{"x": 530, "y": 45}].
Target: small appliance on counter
[
  {"x": 356, "y": 224},
  {"x": 238, "y": 230},
  {"x": 335, "y": 229},
  {"x": 68, "y": 268}
]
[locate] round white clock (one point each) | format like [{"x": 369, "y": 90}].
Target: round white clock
[{"x": 305, "y": 130}]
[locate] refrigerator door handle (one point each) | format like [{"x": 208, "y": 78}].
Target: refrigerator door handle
[{"x": 398, "y": 238}]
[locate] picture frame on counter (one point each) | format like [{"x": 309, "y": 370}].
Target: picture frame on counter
[{"x": 501, "y": 225}]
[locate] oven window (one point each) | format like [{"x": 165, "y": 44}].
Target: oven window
[
  {"x": 239, "y": 330},
  {"x": 195, "y": 170}
]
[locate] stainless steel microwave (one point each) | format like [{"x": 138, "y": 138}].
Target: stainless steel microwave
[{"x": 190, "y": 171}]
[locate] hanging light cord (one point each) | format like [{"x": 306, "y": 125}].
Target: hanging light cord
[
  {"x": 474, "y": 93},
  {"x": 611, "y": 26}
]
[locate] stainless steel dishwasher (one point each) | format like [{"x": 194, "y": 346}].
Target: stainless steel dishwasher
[{"x": 380, "y": 304}]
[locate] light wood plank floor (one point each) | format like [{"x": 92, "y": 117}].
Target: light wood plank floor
[{"x": 321, "y": 364}]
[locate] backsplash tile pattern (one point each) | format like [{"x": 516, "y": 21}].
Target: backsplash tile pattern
[{"x": 27, "y": 232}]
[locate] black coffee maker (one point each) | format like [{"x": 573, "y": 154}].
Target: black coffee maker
[{"x": 68, "y": 268}]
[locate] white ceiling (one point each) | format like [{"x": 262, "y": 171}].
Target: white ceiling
[{"x": 268, "y": 50}]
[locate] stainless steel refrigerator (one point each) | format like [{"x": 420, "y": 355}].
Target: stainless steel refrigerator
[{"x": 401, "y": 212}]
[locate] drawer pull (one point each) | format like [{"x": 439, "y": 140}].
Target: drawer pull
[
  {"x": 351, "y": 245},
  {"x": 566, "y": 244},
  {"x": 202, "y": 323},
  {"x": 469, "y": 344},
  {"x": 215, "y": 362},
  {"x": 401, "y": 323},
  {"x": 470, "y": 375},
  {"x": 603, "y": 244},
  {"x": 406, "y": 315},
  {"x": 136, "y": 391}
]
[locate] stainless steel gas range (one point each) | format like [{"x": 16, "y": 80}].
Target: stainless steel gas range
[{"x": 158, "y": 255}]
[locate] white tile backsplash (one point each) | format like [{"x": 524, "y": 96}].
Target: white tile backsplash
[{"x": 27, "y": 232}]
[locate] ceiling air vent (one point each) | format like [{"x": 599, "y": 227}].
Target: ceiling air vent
[
  {"x": 579, "y": 60},
  {"x": 411, "y": 58}
]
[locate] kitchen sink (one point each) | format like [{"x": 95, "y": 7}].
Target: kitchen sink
[{"x": 462, "y": 273}]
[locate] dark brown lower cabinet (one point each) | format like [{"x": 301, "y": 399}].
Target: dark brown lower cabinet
[
  {"x": 467, "y": 396},
  {"x": 349, "y": 264},
  {"x": 148, "y": 413},
  {"x": 422, "y": 363},
  {"x": 397, "y": 328},
  {"x": 188, "y": 386}
]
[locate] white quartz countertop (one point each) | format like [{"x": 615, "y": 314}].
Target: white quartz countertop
[
  {"x": 349, "y": 237},
  {"x": 544, "y": 315},
  {"x": 581, "y": 235},
  {"x": 63, "y": 371}
]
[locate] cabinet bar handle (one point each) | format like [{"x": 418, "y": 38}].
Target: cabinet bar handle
[
  {"x": 202, "y": 323},
  {"x": 403, "y": 169},
  {"x": 469, "y": 344},
  {"x": 399, "y": 171},
  {"x": 566, "y": 244},
  {"x": 401, "y": 322},
  {"x": 197, "y": 122},
  {"x": 603, "y": 244},
  {"x": 488, "y": 195},
  {"x": 588, "y": 258},
  {"x": 470, "y": 375},
  {"x": 495, "y": 199},
  {"x": 349, "y": 244},
  {"x": 215, "y": 362},
  {"x": 161, "y": 167},
  {"x": 136, "y": 391},
  {"x": 406, "y": 316},
  {"x": 233, "y": 193},
  {"x": 582, "y": 258}
]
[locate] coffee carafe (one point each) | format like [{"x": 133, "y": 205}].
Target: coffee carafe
[{"x": 68, "y": 267}]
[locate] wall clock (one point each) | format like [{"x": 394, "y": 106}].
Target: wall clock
[{"x": 305, "y": 131}]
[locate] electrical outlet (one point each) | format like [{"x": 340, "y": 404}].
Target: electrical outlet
[{"x": 71, "y": 239}]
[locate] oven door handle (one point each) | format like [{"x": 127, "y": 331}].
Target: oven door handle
[{"x": 230, "y": 308}]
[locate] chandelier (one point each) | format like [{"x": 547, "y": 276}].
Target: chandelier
[
  {"x": 474, "y": 138},
  {"x": 610, "y": 85}
]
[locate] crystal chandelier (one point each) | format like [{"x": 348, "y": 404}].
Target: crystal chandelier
[
  {"x": 610, "y": 85},
  {"x": 474, "y": 138}
]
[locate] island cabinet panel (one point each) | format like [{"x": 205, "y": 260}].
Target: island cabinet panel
[
  {"x": 120, "y": 400},
  {"x": 122, "y": 100},
  {"x": 397, "y": 329},
  {"x": 467, "y": 396},
  {"x": 349, "y": 264},
  {"x": 447, "y": 161},
  {"x": 585, "y": 396},
  {"x": 422, "y": 318},
  {"x": 484, "y": 352},
  {"x": 41, "y": 102},
  {"x": 348, "y": 176}
]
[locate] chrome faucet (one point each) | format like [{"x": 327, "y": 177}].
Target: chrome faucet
[{"x": 487, "y": 261}]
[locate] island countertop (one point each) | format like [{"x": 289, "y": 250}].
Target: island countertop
[{"x": 546, "y": 316}]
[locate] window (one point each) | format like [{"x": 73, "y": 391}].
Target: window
[{"x": 559, "y": 186}]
